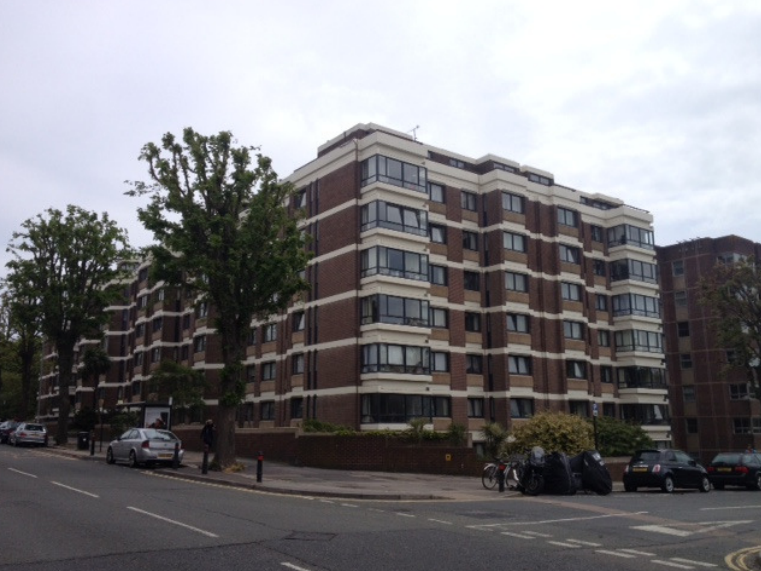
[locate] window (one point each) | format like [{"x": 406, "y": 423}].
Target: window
[
  {"x": 601, "y": 302},
  {"x": 636, "y": 304},
  {"x": 513, "y": 203},
  {"x": 267, "y": 410},
  {"x": 436, "y": 192},
  {"x": 472, "y": 322},
  {"x": 156, "y": 355},
  {"x": 157, "y": 324},
  {"x": 297, "y": 407},
  {"x": 596, "y": 233},
  {"x": 576, "y": 369},
  {"x": 439, "y": 362},
  {"x": 252, "y": 336},
  {"x": 570, "y": 292},
  {"x": 570, "y": 254},
  {"x": 439, "y": 317},
  {"x": 251, "y": 373},
  {"x": 140, "y": 331},
  {"x": 518, "y": 323},
  {"x": 628, "y": 234},
  {"x": 161, "y": 294},
  {"x": 400, "y": 408},
  {"x": 516, "y": 282},
  {"x": 685, "y": 361},
  {"x": 199, "y": 344},
  {"x": 474, "y": 364},
  {"x": 186, "y": 322},
  {"x": 519, "y": 365},
  {"x": 598, "y": 268},
  {"x": 633, "y": 270},
  {"x": 641, "y": 378},
  {"x": 142, "y": 275},
  {"x": 269, "y": 371},
  {"x": 469, "y": 240},
  {"x": 383, "y": 357},
  {"x": 395, "y": 263},
  {"x": 683, "y": 328},
  {"x": 298, "y": 321},
  {"x": 573, "y": 329},
  {"x": 521, "y": 408},
  {"x": 270, "y": 333},
  {"x": 438, "y": 233},
  {"x": 475, "y": 408},
  {"x": 392, "y": 171},
  {"x": 539, "y": 179},
  {"x": 567, "y": 217},
  {"x": 300, "y": 199},
  {"x": 297, "y": 364},
  {"x": 680, "y": 298},
  {"x": 202, "y": 310},
  {"x": 603, "y": 338},
  {"x": 738, "y": 391},
  {"x": 514, "y": 242},
  {"x": 472, "y": 281},
  {"x": 746, "y": 426},
  {"x": 380, "y": 214},
  {"x": 688, "y": 393},
  {"x": 639, "y": 340},
  {"x": 691, "y": 425},
  {"x": 606, "y": 374},
  {"x": 468, "y": 200},
  {"x": 139, "y": 359},
  {"x": 184, "y": 352},
  {"x": 677, "y": 268},
  {"x": 438, "y": 275},
  {"x": 395, "y": 310}
]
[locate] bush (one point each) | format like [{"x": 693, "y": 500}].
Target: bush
[
  {"x": 495, "y": 436},
  {"x": 555, "y": 432},
  {"x": 457, "y": 434},
  {"x": 618, "y": 438},
  {"x": 122, "y": 421},
  {"x": 85, "y": 419},
  {"x": 313, "y": 425}
]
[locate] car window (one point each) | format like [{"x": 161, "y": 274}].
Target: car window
[
  {"x": 153, "y": 434},
  {"x": 750, "y": 460},
  {"x": 682, "y": 457},
  {"x": 670, "y": 456},
  {"x": 35, "y": 427},
  {"x": 647, "y": 456},
  {"x": 727, "y": 458}
]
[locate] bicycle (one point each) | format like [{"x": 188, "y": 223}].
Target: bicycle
[{"x": 511, "y": 468}]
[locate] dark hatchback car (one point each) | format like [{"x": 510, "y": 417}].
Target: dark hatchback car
[
  {"x": 735, "y": 469},
  {"x": 665, "y": 469},
  {"x": 6, "y": 428}
]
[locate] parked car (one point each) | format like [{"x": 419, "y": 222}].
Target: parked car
[
  {"x": 144, "y": 446},
  {"x": 735, "y": 469},
  {"x": 665, "y": 469},
  {"x": 29, "y": 433},
  {"x": 5, "y": 430}
]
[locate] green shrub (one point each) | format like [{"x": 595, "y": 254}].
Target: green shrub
[
  {"x": 618, "y": 438},
  {"x": 555, "y": 432},
  {"x": 457, "y": 434},
  {"x": 313, "y": 425},
  {"x": 495, "y": 436}
]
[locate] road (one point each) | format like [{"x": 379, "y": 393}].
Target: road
[{"x": 60, "y": 513}]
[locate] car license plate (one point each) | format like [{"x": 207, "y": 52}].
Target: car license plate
[
  {"x": 639, "y": 469},
  {"x": 165, "y": 455},
  {"x": 725, "y": 469}
]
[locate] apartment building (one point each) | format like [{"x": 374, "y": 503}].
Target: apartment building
[
  {"x": 445, "y": 287},
  {"x": 711, "y": 407}
]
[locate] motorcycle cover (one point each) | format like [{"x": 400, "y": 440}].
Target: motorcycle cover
[
  {"x": 594, "y": 475},
  {"x": 558, "y": 475}
]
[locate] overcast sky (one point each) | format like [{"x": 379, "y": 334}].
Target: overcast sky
[{"x": 654, "y": 102}]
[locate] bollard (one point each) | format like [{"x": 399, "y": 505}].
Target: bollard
[
  {"x": 205, "y": 463},
  {"x": 176, "y": 457},
  {"x": 501, "y": 477},
  {"x": 259, "y": 463},
  {"x": 92, "y": 443}
]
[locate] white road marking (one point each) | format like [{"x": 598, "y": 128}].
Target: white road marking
[
  {"x": 350, "y": 505},
  {"x": 691, "y": 562},
  {"x": 518, "y": 535},
  {"x": 22, "y": 473},
  {"x": 564, "y": 544},
  {"x": 440, "y": 521},
  {"x": 564, "y": 520},
  {"x": 175, "y": 522},
  {"x": 292, "y": 566},
  {"x": 616, "y": 553},
  {"x": 585, "y": 543},
  {"x": 732, "y": 508},
  {"x": 664, "y": 529},
  {"x": 671, "y": 564},
  {"x": 691, "y": 528},
  {"x": 74, "y": 489},
  {"x": 638, "y": 552},
  {"x": 537, "y": 534},
  {"x": 404, "y": 514}
]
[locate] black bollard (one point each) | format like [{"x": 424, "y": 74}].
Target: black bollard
[
  {"x": 259, "y": 466},
  {"x": 92, "y": 443},
  {"x": 176, "y": 457},
  {"x": 205, "y": 463}
]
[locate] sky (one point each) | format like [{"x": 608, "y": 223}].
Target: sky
[{"x": 657, "y": 103}]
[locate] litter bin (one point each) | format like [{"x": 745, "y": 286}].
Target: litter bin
[{"x": 83, "y": 440}]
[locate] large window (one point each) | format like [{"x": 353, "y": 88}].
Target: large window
[
  {"x": 393, "y": 262},
  {"x": 636, "y": 304},
  {"x": 639, "y": 340},
  {"x": 297, "y": 364},
  {"x": 516, "y": 282},
  {"x": 269, "y": 371},
  {"x": 472, "y": 281},
  {"x": 270, "y": 332},
  {"x": 519, "y": 365},
  {"x": 398, "y": 408},
  {"x": 521, "y": 408},
  {"x": 299, "y": 319},
  {"x": 470, "y": 240},
  {"x": 633, "y": 270},
  {"x": 567, "y": 217},
  {"x": 388, "y": 358},
  {"x": 392, "y": 171},
  {"x": 573, "y": 329},
  {"x": 641, "y": 378},
  {"x": 628, "y": 234},
  {"x": 439, "y": 362},
  {"x": 576, "y": 369},
  {"x": 396, "y": 310},
  {"x": 645, "y": 413},
  {"x": 514, "y": 242},
  {"x": 475, "y": 408},
  {"x": 438, "y": 275},
  {"x": 439, "y": 317},
  {"x": 570, "y": 254},
  {"x": 438, "y": 233},
  {"x": 436, "y": 192},
  {"x": 518, "y": 323},
  {"x": 474, "y": 364},
  {"x": 570, "y": 292},
  {"x": 267, "y": 410},
  {"x": 468, "y": 200},
  {"x": 381, "y": 214},
  {"x": 472, "y": 322},
  {"x": 513, "y": 203}
]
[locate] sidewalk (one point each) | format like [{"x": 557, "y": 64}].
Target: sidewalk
[{"x": 287, "y": 479}]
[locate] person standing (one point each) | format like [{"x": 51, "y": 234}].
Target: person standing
[{"x": 207, "y": 434}]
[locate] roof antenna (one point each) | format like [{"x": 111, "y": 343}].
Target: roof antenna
[{"x": 414, "y": 131}]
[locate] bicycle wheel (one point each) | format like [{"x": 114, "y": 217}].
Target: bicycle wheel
[{"x": 489, "y": 476}]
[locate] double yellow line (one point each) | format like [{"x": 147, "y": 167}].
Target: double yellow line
[{"x": 744, "y": 560}]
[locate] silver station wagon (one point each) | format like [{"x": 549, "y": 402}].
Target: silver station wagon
[{"x": 144, "y": 447}]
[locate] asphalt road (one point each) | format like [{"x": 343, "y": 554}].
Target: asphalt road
[{"x": 59, "y": 513}]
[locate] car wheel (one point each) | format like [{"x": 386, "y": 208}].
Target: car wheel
[
  {"x": 132, "y": 459},
  {"x": 668, "y": 484},
  {"x": 534, "y": 486},
  {"x": 630, "y": 488},
  {"x": 110, "y": 456},
  {"x": 757, "y": 485},
  {"x": 705, "y": 484}
]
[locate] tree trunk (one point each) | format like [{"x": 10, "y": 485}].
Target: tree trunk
[{"x": 224, "y": 454}]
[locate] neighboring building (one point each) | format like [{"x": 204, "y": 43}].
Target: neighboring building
[
  {"x": 443, "y": 287},
  {"x": 711, "y": 408}
]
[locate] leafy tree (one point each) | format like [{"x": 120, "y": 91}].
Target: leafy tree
[
  {"x": 67, "y": 261},
  {"x": 732, "y": 293},
  {"x": 618, "y": 438},
  {"x": 495, "y": 436},
  {"x": 554, "y": 432},
  {"x": 220, "y": 219},
  {"x": 186, "y": 386},
  {"x": 96, "y": 363}
]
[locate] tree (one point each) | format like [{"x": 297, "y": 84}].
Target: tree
[
  {"x": 96, "y": 363},
  {"x": 223, "y": 230},
  {"x": 68, "y": 262},
  {"x": 555, "y": 432},
  {"x": 732, "y": 293},
  {"x": 619, "y": 438},
  {"x": 186, "y": 386}
]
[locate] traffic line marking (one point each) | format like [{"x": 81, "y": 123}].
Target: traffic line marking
[
  {"x": 537, "y": 534},
  {"x": 585, "y": 543},
  {"x": 172, "y": 521},
  {"x": 518, "y": 535},
  {"x": 75, "y": 489},
  {"x": 664, "y": 529},
  {"x": 402, "y": 514},
  {"x": 565, "y": 544},
  {"x": 671, "y": 564},
  {"x": 638, "y": 552},
  {"x": 22, "y": 473},
  {"x": 440, "y": 521},
  {"x": 616, "y": 553},
  {"x": 292, "y": 566},
  {"x": 691, "y": 562}
]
